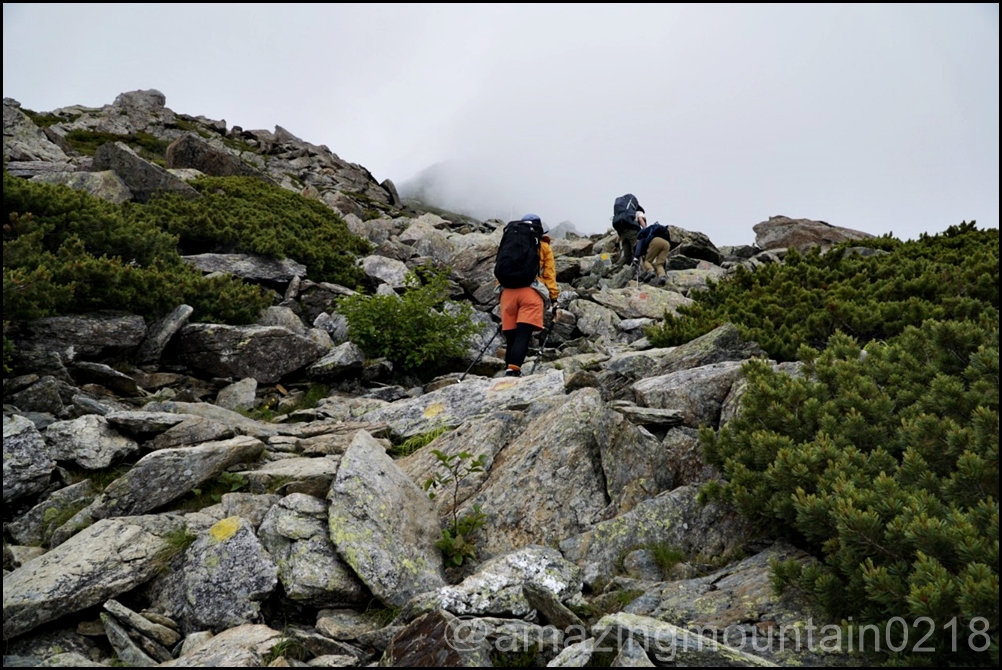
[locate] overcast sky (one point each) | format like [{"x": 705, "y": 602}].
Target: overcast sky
[{"x": 880, "y": 118}]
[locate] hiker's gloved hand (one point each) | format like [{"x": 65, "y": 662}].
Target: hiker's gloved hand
[{"x": 548, "y": 317}]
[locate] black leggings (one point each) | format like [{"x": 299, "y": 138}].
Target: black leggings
[{"x": 518, "y": 343}]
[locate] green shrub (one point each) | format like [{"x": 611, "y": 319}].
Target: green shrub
[
  {"x": 248, "y": 215},
  {"x": 882, "y": 462},
  {"x": 420, "y": 332},
  {"x": 416, "y": 442},
  {"x": 66, "y": 251},
  {"x": 809, "y": 297},
  {"x": 44, "y": 120},
  {"x": 87, "y": 142},
  {"x": 456, "y": 544}
]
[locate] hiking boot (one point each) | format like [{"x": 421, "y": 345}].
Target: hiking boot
[{"x": 513, "y": 373}]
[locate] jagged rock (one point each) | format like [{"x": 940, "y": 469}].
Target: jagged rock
[
  {"x": 594, "y": 320},
  {"x": 723, "y": 343},
  {"x": 688, "y": 281},
  {"x": 428, "y": 241},
  {"x": 556, "y": 464},
  {"x": 343, "y": 359},
  {"x": 320, "y": 298},
  {"x": 667, "y": 644},
  {"x": 85, "y": 372},
  {"x": 429, "y": 641},
  {"x": 233, "y": 420},
  {"x": 248, "y": 267},
  {"x": 632, "y": 655},
  {"x": 672, "y": 519},
  {"x": 781, "y": 232},
  {"x": 575, "y": 655},
  {"x": 20, "y": 555},
  {"x": 266, "y": 353},
  {"x": 191, "y": 430},
  {"x": 481, "y": 437},
  {"x": 167, "y": 474},
  {"x": 698, "y": 393},
  {"x": 739, "y": 606},
  {"x": 635, "y": 302},
  {"x": 312, "y": 476},
  {"x": 496, "y": 588},
  {"x": 35, "y": 527},
  {"x": 159, "y": 633},
  {"x": 541, "y": 597},
  {"x": 240, "y": 395},
  {"x": 295, "y": 532},
  {"x": 649, "y": 417},
  {"x": 88, "y": 441},
  {"x": 27, "y": 461},
  {"x": 684, "y": 458},
  {"x": 387, "y": 271},
  {"x": 222, "y": 580},
  {"x": 142, "y": 424},
  {"x": 84, "y": 337},
  {"x": 694, "y": 245},
  {"x": 143, "y": 178},
  {"x": 127, "y": 650},
  {"x": 452, "y": 405},
  {"x": 49, "y": 644},
  {"x": 47, "y": 396},
  {"x": 383, "y": 525},
  {"x": 161, "y": 332},
  {"x": 335, "y": 325},
  {"x": 284, "y": 317},
  {"x": 190, "y": 151},
  {"x": 346, "y": 625},
  {"x": 244, "y": 646},
  {"x": 109, "y": 558},
  {"x": 23, "y": 141},
  {"x": 104, "y": 184}
]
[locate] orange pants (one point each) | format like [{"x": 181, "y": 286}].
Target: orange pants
[{"x": 521, "y": 305}]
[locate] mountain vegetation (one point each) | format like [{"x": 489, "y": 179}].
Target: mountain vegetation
[{"x": 835, "y": 402}]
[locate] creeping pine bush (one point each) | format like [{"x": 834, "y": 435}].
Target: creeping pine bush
[
  {"x": 808, "y": 297},
  {"x": 421, "y": 332},
  {"x": 249, "y": 215},
  {"x": 65, "y": 251},
  {"x": 883, "y": 462}
]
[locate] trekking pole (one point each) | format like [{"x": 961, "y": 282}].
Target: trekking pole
[
  {"x": 542, "y": 344},
  {"x": 481, "y": 354}
]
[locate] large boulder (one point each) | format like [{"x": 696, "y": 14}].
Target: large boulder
[{"x": 782, "y": 232}]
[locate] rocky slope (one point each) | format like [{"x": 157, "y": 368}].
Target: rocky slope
[{"x": 149, "y": 521}]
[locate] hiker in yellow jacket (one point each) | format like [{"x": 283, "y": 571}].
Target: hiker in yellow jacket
[{"x": 523, "y": 310}]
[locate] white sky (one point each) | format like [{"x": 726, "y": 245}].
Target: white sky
[{"x": 880, "y": 118}]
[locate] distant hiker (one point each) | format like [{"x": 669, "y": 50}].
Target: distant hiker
[
  {"x": 651, "y": 251},
  {"x": 527, "y": 280},
  {"x": 628, "y": 219}
]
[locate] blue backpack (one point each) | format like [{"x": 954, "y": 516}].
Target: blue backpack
[
  {"x": 649, "y": 233},
  {"x": 624, "y": 213}
]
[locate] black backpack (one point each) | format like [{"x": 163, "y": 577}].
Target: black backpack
[
  {"x": 624, "y": 213},
  {"x": 517, "y": 261}
]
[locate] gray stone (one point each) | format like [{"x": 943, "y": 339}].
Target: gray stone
[{"x": 383, "y": 525}]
